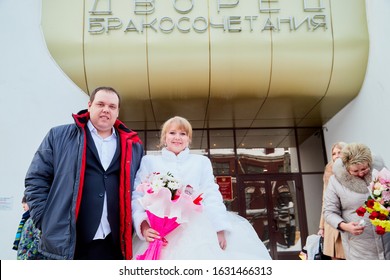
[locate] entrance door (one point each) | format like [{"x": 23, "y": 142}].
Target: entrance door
[{"x": 273, "y": 204}]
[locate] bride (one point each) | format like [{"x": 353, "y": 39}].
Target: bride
[{"x": 213, "y": 233}]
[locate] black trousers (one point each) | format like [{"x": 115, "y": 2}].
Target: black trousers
[{"x": 99, "y": 249}]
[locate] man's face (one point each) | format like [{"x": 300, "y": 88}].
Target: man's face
[{"x": 104, "y": 111}]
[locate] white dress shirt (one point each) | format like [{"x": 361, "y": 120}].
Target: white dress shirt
[{"x": 106, "y": 149}]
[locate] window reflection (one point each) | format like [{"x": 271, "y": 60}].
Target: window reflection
[
  {"x": 266, "y": 151},
  {"x": 256, "y": 208},
  {"x": 285, "y": 213},
  {"x": 258, "y": 161}
]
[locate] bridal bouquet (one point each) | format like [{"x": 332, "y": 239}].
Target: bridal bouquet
[
  {"x": 168, "y": 204},
  {"x": 378, "y": 202}
]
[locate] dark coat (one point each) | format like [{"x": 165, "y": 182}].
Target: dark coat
[{"x": 55, "y": 179}]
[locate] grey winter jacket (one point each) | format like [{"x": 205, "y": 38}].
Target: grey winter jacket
[{"x": 345, "y": 194}]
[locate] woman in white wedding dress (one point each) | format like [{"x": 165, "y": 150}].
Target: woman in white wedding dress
[{"x": 213, "y": 233}]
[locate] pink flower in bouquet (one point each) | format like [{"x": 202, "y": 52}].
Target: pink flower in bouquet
[
  {"x": 167, "y": 204},
  {"x": 378, "y": 202},
  {"x": 386, "y": 197}
]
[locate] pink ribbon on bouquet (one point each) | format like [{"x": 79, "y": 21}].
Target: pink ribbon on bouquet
[{"x": 164, "y": 226}]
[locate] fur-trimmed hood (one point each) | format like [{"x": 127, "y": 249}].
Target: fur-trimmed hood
[{"x": 353, "y": 183}]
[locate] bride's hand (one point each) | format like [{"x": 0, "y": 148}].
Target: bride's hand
[
  {"x": 221, "y": 239},
  {"x": 148, "y": 233}
]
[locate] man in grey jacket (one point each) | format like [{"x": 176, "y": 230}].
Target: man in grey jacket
[{"x": 79, "y": 183}]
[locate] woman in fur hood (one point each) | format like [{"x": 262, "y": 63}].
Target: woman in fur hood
[{"x": 347, "y": 190}]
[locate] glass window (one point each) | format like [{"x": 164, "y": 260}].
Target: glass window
[
  {"x": 266, "y": 151},
  {"x": 223, "y": 160},
  {"x": 284, "y": 200},
  {"x": 256, "y": 208},
  {"x": 199, "y": 142},
  {"x": 222, "y": 152},
  {"x": 152, "y": 142}
]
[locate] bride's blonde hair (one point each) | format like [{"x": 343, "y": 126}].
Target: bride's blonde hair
[{"x": 180, "y": 123}]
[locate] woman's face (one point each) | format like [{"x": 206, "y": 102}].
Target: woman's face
[
  {"x": 176, "y": 139},
  {"x": 336, "y": 153},
  {"x": 359, "y": 169}
]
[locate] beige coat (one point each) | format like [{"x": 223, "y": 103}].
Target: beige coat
[{"x": 333, "y": 246}]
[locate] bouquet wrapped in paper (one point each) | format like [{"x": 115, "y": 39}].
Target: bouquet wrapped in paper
[
  {"x": 378, "y": 202},
  {"x": 168, "y": 204}
]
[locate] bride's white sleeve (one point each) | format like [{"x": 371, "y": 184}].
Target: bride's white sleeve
[{"x": 213, "y": 204}]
